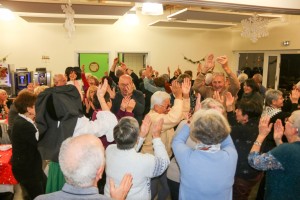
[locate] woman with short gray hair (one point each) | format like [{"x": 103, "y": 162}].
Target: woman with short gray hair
[
  {"x": 215, "y": 153},
  {"x": 122, "y": 157},
  {"x": 281, "y": 163}
]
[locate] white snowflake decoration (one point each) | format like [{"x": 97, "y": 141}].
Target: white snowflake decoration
[
  {"x": 254, "y": 28},
  {"x": 69, "y": 22}
]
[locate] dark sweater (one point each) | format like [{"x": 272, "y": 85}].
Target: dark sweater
[
  {"x": 243, "y": 136},
  {"x": 26, "y": 159},
  {"x": 139, "y": 106},
  {"x": 284, "y": 184}
]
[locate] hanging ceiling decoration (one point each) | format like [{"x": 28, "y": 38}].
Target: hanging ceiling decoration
[
  {"x": 69, "y": 22},
  {"x": 254, "y": 28}
]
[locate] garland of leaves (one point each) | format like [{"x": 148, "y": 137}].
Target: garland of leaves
[{"x": 194, "y": 62}]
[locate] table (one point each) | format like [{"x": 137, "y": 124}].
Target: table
[{"x": 7, "y": 179}]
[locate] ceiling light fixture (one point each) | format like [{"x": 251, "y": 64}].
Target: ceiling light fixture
[
  {"x": 254, "y": 28},
  {"x": 131, "y": 18},
  {"x": 6, "y": 14},
  {"x": 152, "y": 9}
]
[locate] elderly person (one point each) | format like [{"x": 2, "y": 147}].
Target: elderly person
[
  {"x": 273, "y": 104},
  {"x": 242, "y": 78},
  {"x": 59, "y": 79},
  {"x": 215, "y": 153},
  {"x": 26, "y": 159},
  {"x": 82, "y": 162},
  {"x": 122, "y": 157},
  {"x": 161, "y": 108},
  {"x": 127, "y": 90},
  {"x": 218, "y": 81},
  {"x": 281, "y": 163},
  {"x": 5, "y": 103},
  {"x": 258, "y": 79},
  {"x": 173, "y": 172}
]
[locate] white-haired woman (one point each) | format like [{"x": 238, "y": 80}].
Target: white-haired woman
[
  {"x": 282, "y": 162},
  {"x": 5, "y": 103},
  {"x": 207, "y": 171}
]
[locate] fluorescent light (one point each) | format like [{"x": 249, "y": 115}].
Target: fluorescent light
[
  {"x": 6, "y": 14},
  {"x": 152, "y": 9}
]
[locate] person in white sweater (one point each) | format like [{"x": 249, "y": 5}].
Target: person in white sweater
[{"x": 122, "y": 157}]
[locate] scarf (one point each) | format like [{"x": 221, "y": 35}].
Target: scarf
[
  {"x": 270, "y": 111},
  {"x": 212, "y": 148}
]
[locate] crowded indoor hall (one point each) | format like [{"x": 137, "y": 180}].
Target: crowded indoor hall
[{"x": 149, "y": 100}]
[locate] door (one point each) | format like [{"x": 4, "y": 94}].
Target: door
[{"x": 271, "y": 74}]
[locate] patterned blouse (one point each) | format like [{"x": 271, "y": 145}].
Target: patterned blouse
[{"x": 264, "y": 162}]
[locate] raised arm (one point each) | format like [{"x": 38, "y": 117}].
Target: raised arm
[{"x": 233, "y": 79}]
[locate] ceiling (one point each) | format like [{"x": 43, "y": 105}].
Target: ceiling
[{"x": 195, "y": 14}]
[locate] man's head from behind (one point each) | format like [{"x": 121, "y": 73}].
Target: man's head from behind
[{"x": 82, "y": 160}]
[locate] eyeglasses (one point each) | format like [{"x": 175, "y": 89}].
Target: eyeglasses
[{"x": 165, "y": 107}]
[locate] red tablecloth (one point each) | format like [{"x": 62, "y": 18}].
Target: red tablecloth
[{"x": 6, "y": 175}]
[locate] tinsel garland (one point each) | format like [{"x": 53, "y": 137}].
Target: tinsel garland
[{"x": 194, "y": 62}]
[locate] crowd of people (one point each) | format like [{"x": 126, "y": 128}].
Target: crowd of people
[{"x": 155, "y": 137}]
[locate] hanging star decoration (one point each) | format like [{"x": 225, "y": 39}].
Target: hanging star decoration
[
  {"x": 69, "y": 22},
  {"x": 254, "y": 28},
  {"x": 193, "y": 62}
]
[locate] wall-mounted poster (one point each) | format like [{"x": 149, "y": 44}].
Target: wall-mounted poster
[{"x": 4, "y": 75}]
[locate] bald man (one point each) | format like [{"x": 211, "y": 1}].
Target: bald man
[
  {"x": 82, "y": 162},
  {"x": 59, "y": 80},
  {"x": 127, "y": 89}
]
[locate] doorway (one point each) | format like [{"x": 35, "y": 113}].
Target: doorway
[
  {"x": 134, "y": 61},
  {"x": 279, "y": 69}
]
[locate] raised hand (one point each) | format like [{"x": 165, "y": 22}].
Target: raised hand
[
  {"x": 112, "y": 92},
  {"x": 199, "y": 67},
  {"x": 209, "y": 64},
  {"x": 124, "y": 103},
  {"x": 218, "y": 97},
  {"x": 198, "y": 102},
  {"x": 229, "y": 99},
  {"x": 145, "y": 127},
  {"x": 102, "y": 89},
  {"x": 278, "y": 131},
  {"x": 130, "y": 88},
  {"x": 223, "y": 60},
  {"x": 121, "y": 192},
  {"x": 294, "y": 96},
  {"x": 176, "y": 89},
  {"x": 169, "y": 70},
  {"x": 264, "y": 127},
  {"x": 116, "y": 60},
  {"x": 156, "y": 128},
  {"x": 186, "y": 87},
  {"x": 130, "y": 106},
  {"x": 148, "y": 71}
]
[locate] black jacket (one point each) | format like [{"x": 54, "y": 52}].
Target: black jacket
[{"x": 57, "y": 111}]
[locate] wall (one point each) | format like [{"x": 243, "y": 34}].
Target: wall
[{"x": 27, "y": 42}]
